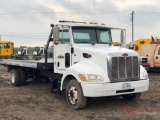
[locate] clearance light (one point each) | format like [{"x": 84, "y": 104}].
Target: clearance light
[
  {"x": 93, "y": 23},
  {"x": 102, "y": 24}
]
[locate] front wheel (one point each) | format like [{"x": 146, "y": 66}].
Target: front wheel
[
  {"x": 131, "y": 97},
  {"x": 74, "y": 95}
]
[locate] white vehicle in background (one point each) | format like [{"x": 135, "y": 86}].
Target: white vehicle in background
[
  {"x": 85, "y": 64},
  {"x": 38, "y": 53}
]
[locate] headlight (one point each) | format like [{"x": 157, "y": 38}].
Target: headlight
[
  {"x": 145, "y": 74},
  {"x": 90, "y": 77}
]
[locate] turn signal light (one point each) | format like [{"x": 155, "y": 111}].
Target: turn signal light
[{"x": 83, "y": 77}]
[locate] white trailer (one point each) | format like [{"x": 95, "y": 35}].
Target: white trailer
[{"x": 85, "y": 64}]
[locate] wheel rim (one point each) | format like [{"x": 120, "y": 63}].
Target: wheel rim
[
  {"x": 12, "y": 78},
  {"x": 72, "y": 95}
]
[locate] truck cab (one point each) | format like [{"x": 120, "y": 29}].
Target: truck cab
[
  {"x": 6, "y": 49},
  {"x": 88, "y": 62},
  {"x": 152, "y": 52}
]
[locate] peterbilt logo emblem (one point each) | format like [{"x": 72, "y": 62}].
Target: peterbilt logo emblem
[{"x": 125, "y": 54}]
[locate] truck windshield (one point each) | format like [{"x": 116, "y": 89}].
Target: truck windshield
[{"x": 91, "y": 35}]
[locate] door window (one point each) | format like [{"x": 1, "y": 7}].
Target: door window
[
  {"x": 6, "y": 45},
  {"x": 1, "y": 45},
  {"x": 64, "y": 36}
]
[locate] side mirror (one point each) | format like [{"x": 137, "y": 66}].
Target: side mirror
[
  {"x": 123, "y": 35},
  {"x": 56, "y": 35}
]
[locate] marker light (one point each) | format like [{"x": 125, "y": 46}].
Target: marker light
[
  {"x": 93, "y": 23},
  {"x": 102, "y": 24}
]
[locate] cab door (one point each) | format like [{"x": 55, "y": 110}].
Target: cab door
[
  {"x": 157, "y": 57},
  {"x": 62, "y": 52},
  {"x": 7, "y": 50}
]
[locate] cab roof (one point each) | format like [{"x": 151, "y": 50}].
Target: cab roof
[
  {"x": 84, "y": 25},
  {"x": 2, "y": 41}
]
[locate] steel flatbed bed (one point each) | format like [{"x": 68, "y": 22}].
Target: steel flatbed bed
[{"x": 39, "y": 64}]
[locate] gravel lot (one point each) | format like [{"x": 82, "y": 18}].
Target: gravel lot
[{"x": 35, "y": 102}]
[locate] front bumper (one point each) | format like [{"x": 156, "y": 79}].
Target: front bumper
[{"x": 110, "y": 89}]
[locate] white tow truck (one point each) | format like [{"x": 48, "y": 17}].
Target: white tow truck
[{"x": 85, "y": 64}]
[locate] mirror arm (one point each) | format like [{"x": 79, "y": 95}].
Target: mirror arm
[{"x": 47, "y": 45}]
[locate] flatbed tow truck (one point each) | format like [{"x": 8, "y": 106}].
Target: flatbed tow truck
[{"x": 85, "y": 64}]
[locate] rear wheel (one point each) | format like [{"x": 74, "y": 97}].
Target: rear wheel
[
  {"x": 15, "y": 77},
  {"x": 131, "y": 97},
  {"x": 23, "y": 77},
  {"x": 74, "y": 95}
]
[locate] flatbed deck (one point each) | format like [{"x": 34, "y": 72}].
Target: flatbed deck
[{"x": 40, "y": 64}]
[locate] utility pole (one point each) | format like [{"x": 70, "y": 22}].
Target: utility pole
[{"x": 132, "y": 20}]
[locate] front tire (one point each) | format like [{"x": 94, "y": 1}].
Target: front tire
[
  {"x": 74, "y": 95},
  {"x": 131, "y": 97}
]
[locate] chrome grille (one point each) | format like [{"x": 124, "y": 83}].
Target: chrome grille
[
  {"x": 124, "y": 68},
  {"x": 135, "y": 67},
  {"x": 115, "y": 67}
]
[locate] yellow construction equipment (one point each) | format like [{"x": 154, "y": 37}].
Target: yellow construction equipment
[
  {"x": 116, "y": 43},
  {"x": 139, "y": 42},
  {"x": 6, "y": 49},
  {"x": 150, "y": 48}
]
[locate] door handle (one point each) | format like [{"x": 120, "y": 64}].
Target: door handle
[
  {"x": 60, "y": 56},
  {"x": 156, "y": 57}
]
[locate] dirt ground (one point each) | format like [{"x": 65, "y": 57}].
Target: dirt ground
[{"x": 35, "y": 102}]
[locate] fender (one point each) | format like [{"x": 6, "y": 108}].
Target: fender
[
  {"x": 142, "y": 70},
  {"x": 84, "y": 67}
]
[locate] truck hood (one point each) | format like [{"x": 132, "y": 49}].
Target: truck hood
[{"x": 107, "y": 50}]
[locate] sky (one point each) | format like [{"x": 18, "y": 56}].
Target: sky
[{"x": 27, "y": 22}]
